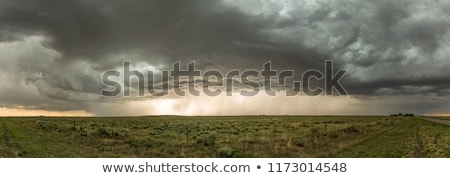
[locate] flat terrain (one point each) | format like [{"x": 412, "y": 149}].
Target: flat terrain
[
  {"x": 444, "y": 121},
  {"x": 239, "y": 136}
]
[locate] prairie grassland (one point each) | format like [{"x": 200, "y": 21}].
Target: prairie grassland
[{"x": 232, "y": 136}]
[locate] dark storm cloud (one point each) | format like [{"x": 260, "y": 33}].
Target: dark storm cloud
[
  {"x": 171, "y": 30},
  {"x": 389, "y": 47},
  {"x": 95, "y": 30}
]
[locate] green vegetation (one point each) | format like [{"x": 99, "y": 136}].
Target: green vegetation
[{"x": 243, "y": 136}]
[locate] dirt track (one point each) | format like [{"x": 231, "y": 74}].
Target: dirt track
[
  {"x": 5, "y": 143},
  {"x": 439, "y": 121}
]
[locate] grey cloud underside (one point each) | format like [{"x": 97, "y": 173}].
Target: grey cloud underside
[{"x": 388, "y": 47}]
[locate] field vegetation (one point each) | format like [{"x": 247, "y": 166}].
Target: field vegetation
[{"x": 238, "y": 136}]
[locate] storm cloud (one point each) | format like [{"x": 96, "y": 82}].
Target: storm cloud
[{"x": 53, "y": 53}]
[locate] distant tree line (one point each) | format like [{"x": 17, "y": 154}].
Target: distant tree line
[{"x": 400, "y": 114}]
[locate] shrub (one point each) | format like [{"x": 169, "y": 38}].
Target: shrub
[
  {"x": 226, "y": 152},
  {"x": 200, "y": 140},
  {"x": 298, "y": 143},
  {"x": 47, "y": 126},
  {"x": 102, "y": 132},
  {"x": 351, "y": 129},
  {"x": 209, "y": 141}
]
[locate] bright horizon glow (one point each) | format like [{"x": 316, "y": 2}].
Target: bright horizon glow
[
  {"x": 9, "y": 112},
  {"x": 223, "y": 105}
]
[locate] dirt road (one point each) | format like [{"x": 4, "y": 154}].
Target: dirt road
[
  {"x": 6, "y": 150},
  {"x": 439, "y": 121}
]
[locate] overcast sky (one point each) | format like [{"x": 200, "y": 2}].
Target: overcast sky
[{"x": 53, "y": 53}]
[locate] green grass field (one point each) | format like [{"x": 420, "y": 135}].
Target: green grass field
[{"x": 239, "y": 136}]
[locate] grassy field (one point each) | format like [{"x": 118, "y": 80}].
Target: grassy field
[{"x": 243, "y": 136}]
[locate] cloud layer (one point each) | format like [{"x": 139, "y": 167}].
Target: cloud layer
[{"x": 53, "y": 52}]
